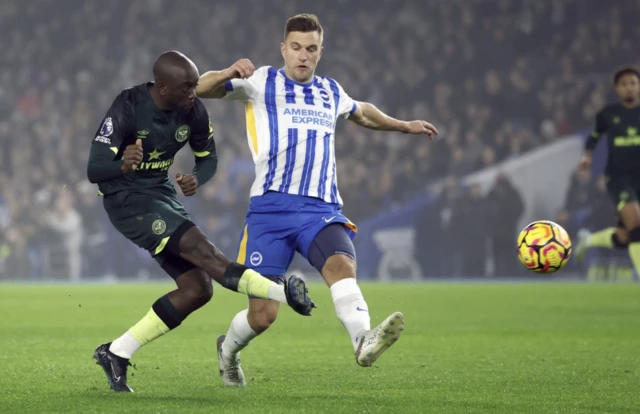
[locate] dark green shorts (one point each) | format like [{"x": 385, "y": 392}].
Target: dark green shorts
[
  {"x": 149, "y": 219},
  {"x": 622, "y": 189}
]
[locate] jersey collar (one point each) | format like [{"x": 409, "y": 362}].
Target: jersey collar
[{"x": 310, "y": 83}]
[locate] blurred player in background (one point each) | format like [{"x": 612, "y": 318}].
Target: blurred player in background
[
  {"x": 295, "y": 205},
  {"x": 621, "y": 124},
  {"x": 129, "y": 160}
]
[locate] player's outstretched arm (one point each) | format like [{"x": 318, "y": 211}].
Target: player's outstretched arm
[
  {"x": 211, "y": 83},
  {"x": 368, "y": 116}
]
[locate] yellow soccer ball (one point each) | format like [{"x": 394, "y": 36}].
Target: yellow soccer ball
[{"x": 544, "y": 246}]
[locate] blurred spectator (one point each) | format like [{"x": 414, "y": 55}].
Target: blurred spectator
[
  {"x": 581, "y": 191},
  {"x": 66, "y": 222},
  {"x": 435, "y": 233},
  {"x": 471, "y": 231},
  {"x": 505, "y": 208}
]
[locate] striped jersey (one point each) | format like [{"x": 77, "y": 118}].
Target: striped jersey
[{"x": 291, "y": 131}]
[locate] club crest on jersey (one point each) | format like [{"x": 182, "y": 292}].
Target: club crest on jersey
[
  {"x": 182, "y": 133},
  {"x": 159, "y": 227},
  {"x": 255, "y": 258},
  {"x": 324, "y": 95},
  {"x": 107, "y": 127}
]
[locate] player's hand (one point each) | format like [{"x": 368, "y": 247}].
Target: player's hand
[
  {"x": 132, "y": 157},
  {"x": 421, "y": 127},
  {"x": 241, "y": 69},
  {"x": 585, "y": 163},
  {"x": 188, "y": 183}
]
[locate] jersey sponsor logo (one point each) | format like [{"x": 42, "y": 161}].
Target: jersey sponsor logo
[
  {"x": 182, "y": 133},
  {"x": 309, "y": 117},
  {"x": 155, "y": 154},
  {"x": 255, "y": 258},
  {"x": 143, "y": 134},
  {"x": 107, "y": 127},
  {"x": 103, "y": 139},
  {"x": 632, "y": 138},
  {"x": 159, "y": 227},
  {"x": 162, "y": 165}
]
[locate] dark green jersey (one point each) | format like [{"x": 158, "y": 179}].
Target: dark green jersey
[
  {"x": 132, "y": 116},
  {"x": 622, "y": 129}
]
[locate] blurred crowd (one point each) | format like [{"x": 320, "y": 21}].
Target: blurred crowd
[{"x": 496, "y": 77}]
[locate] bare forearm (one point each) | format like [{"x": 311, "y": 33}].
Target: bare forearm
[
  {"x": 368, "y": 116},
  {"x": 211, "y": 84}
]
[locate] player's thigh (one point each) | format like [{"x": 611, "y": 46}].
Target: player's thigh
[
  {"x": 147, "y": 220},
  {"x": 332, "y": 253},
  {"x": 265, "y": 246}
]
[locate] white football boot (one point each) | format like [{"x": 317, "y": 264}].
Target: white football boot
[
  {"x": 372, "y": 343},
  {"x": 231, "y": 372}
]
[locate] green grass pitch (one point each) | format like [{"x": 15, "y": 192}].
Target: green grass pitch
[{"x": 467, "y": 348}]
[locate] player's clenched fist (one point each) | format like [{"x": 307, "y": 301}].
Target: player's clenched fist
[
  {"x": 132, "y": 157},
  {"x": 188, "y": 183},
  {"x": 241, "y": 69}
]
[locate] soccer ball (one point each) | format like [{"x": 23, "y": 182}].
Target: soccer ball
[{"x": 544, "y": 246}]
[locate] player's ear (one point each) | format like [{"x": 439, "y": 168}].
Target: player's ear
[
  {"x": 162, "y": 88},
  {"x": 282, "y": 48}
]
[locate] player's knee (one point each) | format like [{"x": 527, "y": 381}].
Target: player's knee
[
  {"x": 200, "y": 293},
  {"x": 634, "y": 235}
]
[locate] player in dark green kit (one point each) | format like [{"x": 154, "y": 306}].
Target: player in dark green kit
[
  {"x": 130, "y": 157},
  {"x": 621, "y": 124}
]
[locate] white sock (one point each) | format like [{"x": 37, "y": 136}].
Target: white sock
[
  {"x": 125, "y": 346},
  {"x": 351, "y": 308},
  {"x": 276, "y": 292},
  {"x": 238, "y": 336}
]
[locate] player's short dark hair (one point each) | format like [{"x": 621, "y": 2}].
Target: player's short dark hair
[
  {"x": 627, "y": 70},
  {"x": 303, "y": 23}
]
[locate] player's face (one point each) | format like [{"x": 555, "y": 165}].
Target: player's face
[
  {"x": 628, "y": 88},
  {"x": 301, "y": 52},
  {"x": 179, "y": 91},
  {"x": 182, "y": 94}
]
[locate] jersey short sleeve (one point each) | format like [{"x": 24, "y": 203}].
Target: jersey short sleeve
[
  {"x": 119, "y": 122},
  {"x": 248, "y": 89},
  {"x": 346, "y": 105},
  {"x": 201, "y": 140}
]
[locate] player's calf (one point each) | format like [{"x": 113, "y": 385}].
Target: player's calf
[{"x": 262, "y": 314}]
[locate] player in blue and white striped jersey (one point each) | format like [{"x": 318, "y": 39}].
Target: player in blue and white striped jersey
[{"x": 291, "y": 116}]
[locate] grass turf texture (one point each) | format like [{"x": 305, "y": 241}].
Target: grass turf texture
[{"x": 466, "y": 348}]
